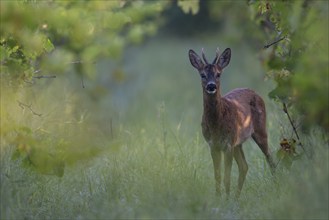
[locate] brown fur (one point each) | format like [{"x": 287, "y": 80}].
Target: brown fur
[{"x": 230, "y": 120}]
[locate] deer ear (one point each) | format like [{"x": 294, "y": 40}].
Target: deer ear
[
  {"x": 195, "y": 60},
  {"x": 224, "y": 58}
]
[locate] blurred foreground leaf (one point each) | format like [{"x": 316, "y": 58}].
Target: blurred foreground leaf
[{"x": 189, "y": 6}]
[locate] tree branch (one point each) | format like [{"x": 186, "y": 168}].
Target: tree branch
[
  {"x": 285, "y": 109},
  {"x": 43, "y": 76},
  {"x": 275, "y": 42},
  {"x": 23, "y": 105}
]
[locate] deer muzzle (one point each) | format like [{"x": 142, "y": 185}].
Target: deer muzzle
[{"x": 211, "y": 88}]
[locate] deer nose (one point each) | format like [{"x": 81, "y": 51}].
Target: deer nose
[{"x": 211, "y": 88}]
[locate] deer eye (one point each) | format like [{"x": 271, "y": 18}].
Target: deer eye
[
  {"x": 203, "y": 76},
  {"x": 218, "y": 75}
]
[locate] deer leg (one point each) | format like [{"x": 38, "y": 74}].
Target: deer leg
[
  {"x": 228, "y": 158},
  {"x": 242, "y": 166},
  {"x": 261, "y": 140},
  {"x": 216, "y": 158}
]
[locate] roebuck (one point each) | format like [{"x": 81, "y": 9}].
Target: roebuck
[{"x": 229, "y": 120}]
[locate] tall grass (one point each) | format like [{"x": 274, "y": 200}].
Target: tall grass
[
  {"x": 154, "y": 163},
  {"x": 144, "y": 180}
]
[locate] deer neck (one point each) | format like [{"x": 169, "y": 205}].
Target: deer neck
[{"x": 212, "y": 107}]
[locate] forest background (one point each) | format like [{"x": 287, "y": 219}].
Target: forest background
[{"x": 101, "y": 109}]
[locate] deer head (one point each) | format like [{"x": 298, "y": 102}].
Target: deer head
[{"x": 210, "y": 72}]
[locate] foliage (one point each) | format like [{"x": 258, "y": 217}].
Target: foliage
[
  {"x": 46, "y": 36},
  {"x": 287, "y": 153},
  {"x": 298, "y": 61},
  {"x": 189, "y": 6},
  {"x": 49, "y": 40}
]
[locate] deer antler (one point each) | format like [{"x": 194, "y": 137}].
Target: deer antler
[
  {"x": 204, "y": 57},
  {"x": 217, "y": 56}
]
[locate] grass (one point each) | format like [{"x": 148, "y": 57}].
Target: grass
[{"x": 154, "y": 163}]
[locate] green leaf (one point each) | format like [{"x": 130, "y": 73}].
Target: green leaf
[
  {"x": 48, "y": 45},
  {"x": 189, "y": 6}
]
